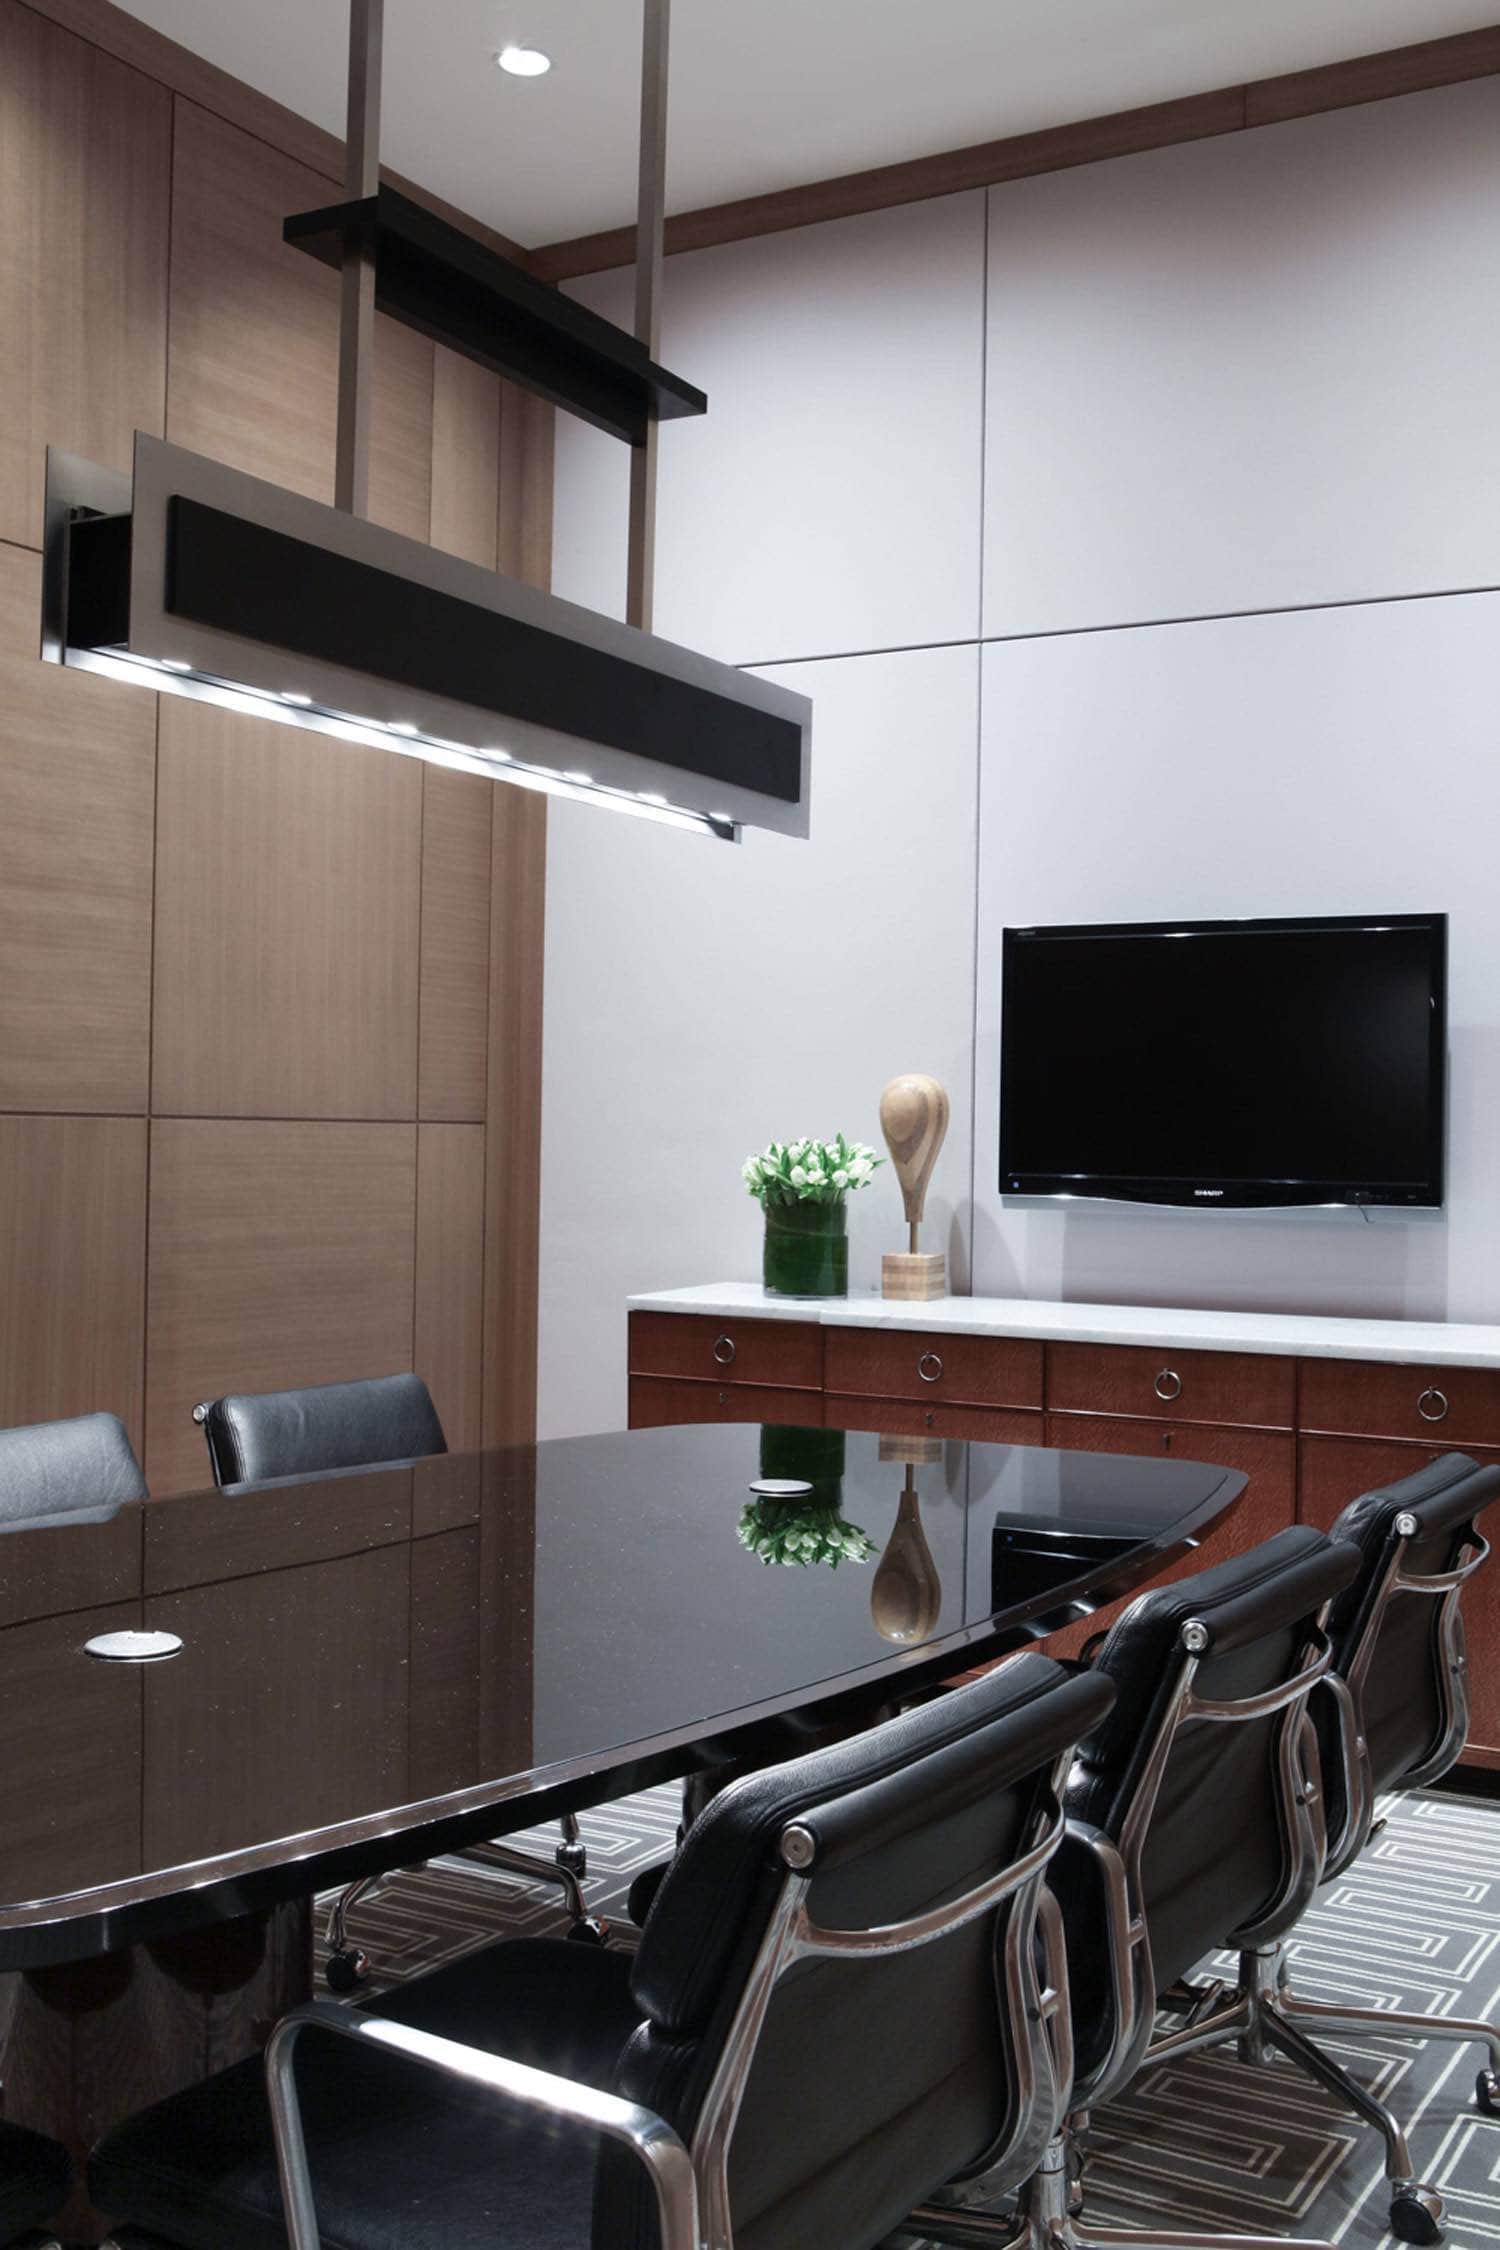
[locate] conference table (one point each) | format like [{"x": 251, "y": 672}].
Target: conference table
[{"x": 370, "y": 1668}]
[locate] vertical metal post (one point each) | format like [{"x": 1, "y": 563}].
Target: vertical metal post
[
  {"x": 357, "y": 289},
  {"x": 651, "y": 212}
]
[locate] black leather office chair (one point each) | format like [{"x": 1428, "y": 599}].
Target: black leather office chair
[
  {"x": 1194, "y": 1821},
  {"x": 84, "y": 1467},
  {"x": 1394, "y": 1715},
  {"x": 36, "y": 2178},
  {"x": 837, "y": 2006},
  {"x": 254, "y": 1437}
]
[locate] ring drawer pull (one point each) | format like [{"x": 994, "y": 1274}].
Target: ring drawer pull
[
  {"x": 930, "y": 1367},
  {"x": 724, "y": 1351},
  {"x": 1432, "y": 1405},
  {"x": 1168, "y": 1384}
]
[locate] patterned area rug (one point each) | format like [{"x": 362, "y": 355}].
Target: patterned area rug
[{"x": 1208, "y": 2142}]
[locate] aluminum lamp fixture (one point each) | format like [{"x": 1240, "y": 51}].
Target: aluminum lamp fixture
[{"x": 197, "y": 580}]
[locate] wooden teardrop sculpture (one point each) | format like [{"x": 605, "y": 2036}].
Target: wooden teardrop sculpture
[
  {"x": 906, "y": 1595},
  {"x": 914, "y": 1120}
]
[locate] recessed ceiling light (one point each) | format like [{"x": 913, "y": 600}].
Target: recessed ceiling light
[{"x": 524, "y": 62}]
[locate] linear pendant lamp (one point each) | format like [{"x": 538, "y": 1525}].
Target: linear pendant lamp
[{"x": 197, "y": 580}]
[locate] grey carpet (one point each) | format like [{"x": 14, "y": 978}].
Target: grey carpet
[{"x": 1207, "y": 2142}]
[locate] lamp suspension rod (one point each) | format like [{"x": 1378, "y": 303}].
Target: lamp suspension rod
[
  {"x": 357, "y": 285},
  {"x": 651, "y": 212}
]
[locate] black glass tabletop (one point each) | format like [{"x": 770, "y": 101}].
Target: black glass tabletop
[{"x": 359, "y": 1670}]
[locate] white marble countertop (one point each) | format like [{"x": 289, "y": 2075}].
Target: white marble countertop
[{"x": 1411, "y": 1343}]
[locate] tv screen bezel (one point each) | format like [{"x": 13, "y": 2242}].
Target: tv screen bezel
[{"x": 1209, "y": 1193}]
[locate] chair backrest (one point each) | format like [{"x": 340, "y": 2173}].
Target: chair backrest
[
  {"x": 253, "y": 1436},
  {"x": 1197, "y": 1777},
  {"x": 828, "y": 2081},
  {"x": 1398, "y": 1639},
  {"x": 82, "y": 1467}
]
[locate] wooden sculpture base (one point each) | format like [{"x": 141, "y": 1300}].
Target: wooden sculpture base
[
  {"x": 914, "y": 1452},
  {"x": 913, "y": 1276}
]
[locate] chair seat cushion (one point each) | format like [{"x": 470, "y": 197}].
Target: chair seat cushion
[
  {"x": 401, "y": 2157},
  {"x": 35, "y": 2176}
]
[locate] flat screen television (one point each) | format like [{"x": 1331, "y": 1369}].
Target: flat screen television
[{"x": 1226, "y": 1063}]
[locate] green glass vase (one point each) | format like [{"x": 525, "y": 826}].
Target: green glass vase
[{"x": 807, "y": 1250}]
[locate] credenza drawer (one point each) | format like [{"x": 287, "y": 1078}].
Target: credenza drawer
[
  {"x": 985, "y": 1425},
  {"x": 918, "y": 1364},
  {"x": 657, "y": 1401},
  {"x": 1439, "y": 1406},
  {"x": 782, "y": 1352},
  {"x": 1332, "y": 1471},
  {"x": 1248, "y": 1388},
  {"x": 1266, "y": 1457}
]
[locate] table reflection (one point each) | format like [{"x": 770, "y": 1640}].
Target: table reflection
[{"x": 368, "y": 1651}]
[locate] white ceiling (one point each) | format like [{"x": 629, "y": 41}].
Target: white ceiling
[{"x": 765, "y": 93}]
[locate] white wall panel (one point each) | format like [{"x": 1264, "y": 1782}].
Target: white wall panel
[
  {"x": 1340, "y": 761},
  {"x": 1257, "y": 371},
  {"x": 702, "y": 999},
  {"x": 829, "y": 500}
]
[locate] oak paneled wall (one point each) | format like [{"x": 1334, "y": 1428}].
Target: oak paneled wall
[
  {"x": 280, "y": 1254},
  {"x": 72, "y": 1267},
  {"x": 77, "y": 785},
  {"x": 237, "y": 964},
  {"x": 450, "y": 1273},
  {"x": 84, "y": 160},
  {"x": 455, "y": 989}
]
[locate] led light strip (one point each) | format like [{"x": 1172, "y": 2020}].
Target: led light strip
[{"x": 170, "y": 676}]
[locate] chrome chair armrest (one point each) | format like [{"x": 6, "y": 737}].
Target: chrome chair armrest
[
  {"x": 1132, "y": 1994},
  {"x": 648, "y": 2136},
  {"x": 1359, "y": 1789}
]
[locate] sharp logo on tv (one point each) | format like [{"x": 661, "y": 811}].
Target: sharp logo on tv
[{"x": 1208, "y": 1191}]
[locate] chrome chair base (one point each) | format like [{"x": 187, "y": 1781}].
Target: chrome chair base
[
  {"x": 348, "y": 1965},
  {"x": 1265, "y": 2017},
  {"x": 1048, "y": 2222}
]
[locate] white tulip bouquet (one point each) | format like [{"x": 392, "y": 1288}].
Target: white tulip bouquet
[
  {"x": 802, "y": 1533},
  {"x": 809, "y": 1171}
]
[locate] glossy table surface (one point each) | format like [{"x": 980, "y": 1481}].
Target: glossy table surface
[{"x": 382, "y": 1664}]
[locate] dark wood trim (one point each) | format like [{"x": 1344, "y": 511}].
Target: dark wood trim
[
  {"x": 150, "y": 52},
  {"x": 1266, "y": 101},
  {"x": 1375, "y": 78},
  {"x": 518, "y": 891},
  {"x": 513, "y": 1116}
]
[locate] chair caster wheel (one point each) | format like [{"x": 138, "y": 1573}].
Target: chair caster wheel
[
  {"x": 589, "y": 1932},
  {"x": 1487, "y": 2092},
  {"x": 1075, "y": 2175},
  {"x": 346, "y": 1972},
  {"x": 1417, "y": 2215}
]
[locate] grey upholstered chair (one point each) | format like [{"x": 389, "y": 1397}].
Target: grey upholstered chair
[{"x": 84, "y": 1468}]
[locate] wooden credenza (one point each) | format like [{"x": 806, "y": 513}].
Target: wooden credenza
[{"x": 1310, "y": 1427}]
